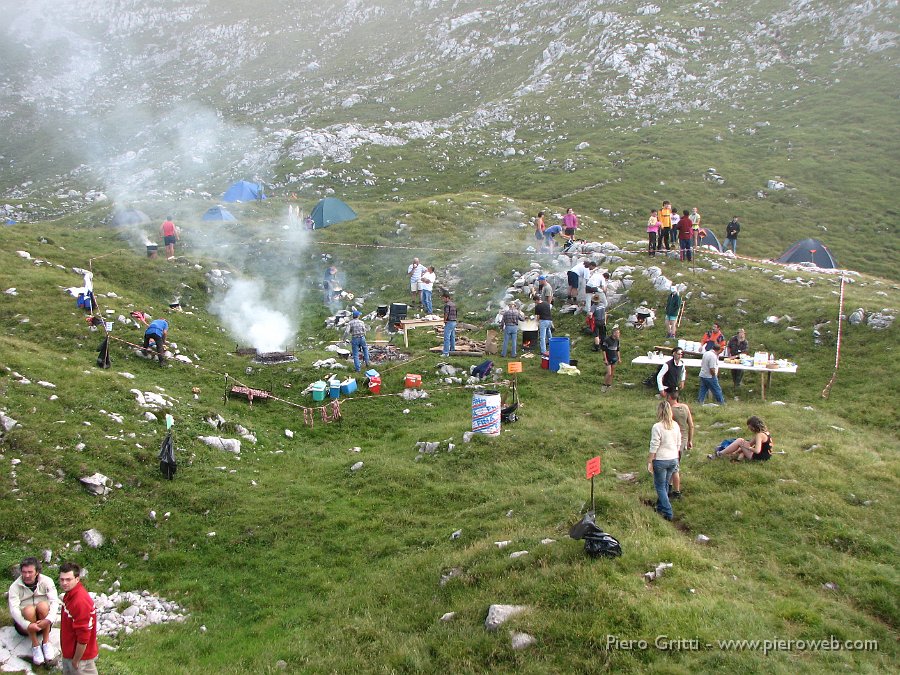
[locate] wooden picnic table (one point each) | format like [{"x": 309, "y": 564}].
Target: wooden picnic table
[{"x": 407, "y": 325}]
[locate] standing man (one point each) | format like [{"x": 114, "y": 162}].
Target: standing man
[
  {"x": 544, "y": 290},
  {"x": 449, "y": 325},
  {"x": 685, "y": 237},
  {"x": 357, "y": 331},
  {"x": 610, "y": 357},
  {"x": 542, "y": 311},
  {"x": 738, "y": 345},
  {"x": 170, "y": 235},
  {"x": 665, "y": 224},
  {"x": 426, "y": 284},
  {"x": 510, "y": 320},
  {"x": 732, "y": 230},
  {"x": 33, "y": 603},
  {"x": 414, "y": 271},
  {"x": 673, "y": 308},
  {"x": 598, "y": 311},
  {"x": 709, "y": 375},
  {"x": 595, "y": 286},
  {"x": 78, "y": 628},
  {"x": 157, "y": 332},
  {"x": 671, "y": 376},
  {"x": 330, "y": 284}
]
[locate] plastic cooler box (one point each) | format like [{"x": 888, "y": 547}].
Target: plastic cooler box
[
  {"x": 413, "y": 381},
  {"x": 334, "y": 388},
  {"x": 372, "y": 373},
  {"x": 318, "y": 390},
  {"x": 348, "y": 386},
  {"x": 375, "y": 385}
]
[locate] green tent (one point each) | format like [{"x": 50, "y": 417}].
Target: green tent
[{"x": 330, "y": 211}]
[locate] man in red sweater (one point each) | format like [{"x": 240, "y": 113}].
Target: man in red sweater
[{"x": 78, "y": 628}]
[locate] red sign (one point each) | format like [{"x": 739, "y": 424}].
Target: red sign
[{"x": 592, "y": 468}]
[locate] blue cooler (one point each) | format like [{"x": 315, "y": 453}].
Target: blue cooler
[
  {"x": 348, "y": 386},
  {"x": 334, "y": 388},
  {"x": 372, "y": 373}
]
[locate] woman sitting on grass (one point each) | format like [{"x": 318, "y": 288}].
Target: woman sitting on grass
[{"x": 759, "y": 448}]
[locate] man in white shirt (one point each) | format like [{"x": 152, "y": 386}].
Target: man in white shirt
[
  {"x": 426, "y": 285},
  {"x": 33, "y": 605},
  {"x": 595, "y": 285},
  {"x": 574, "y": 277},
  {"x": 415, "y": 272},
  {"x": 709, "y": 375}
]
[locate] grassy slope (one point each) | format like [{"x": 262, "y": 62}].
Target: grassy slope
[{"x": 333, "y": 571}]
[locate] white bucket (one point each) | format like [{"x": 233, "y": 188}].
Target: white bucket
[{"x": 486, "y": 413}]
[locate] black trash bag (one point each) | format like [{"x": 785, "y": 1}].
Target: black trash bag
[
  {"x": 167, "y": 457},
  {"x": 103, "y": 354},
  {"x": 596, "y": 542}
]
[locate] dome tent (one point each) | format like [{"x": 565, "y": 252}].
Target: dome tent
[
  {"x": 709, "y": 238},
  {"x": 219, "y": 213},
  {"x": 330, "y": 211},
  {"x": 244, "y": 191},
  {"x": 809, "y": 251}
]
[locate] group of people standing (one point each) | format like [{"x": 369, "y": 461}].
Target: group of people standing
[
  {"x": 421, "y": 284},
  {"x": 546, "y": 235},
  {"x": 665, "y": 227}
]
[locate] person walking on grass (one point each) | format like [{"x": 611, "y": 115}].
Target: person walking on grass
[
  {"x": 169, "y": 233},
  {"x": 758, "y": 448},
  {"x": 33, "y": 604},
  {"x": 356, "y": 329},
  {"x": 662, "y": 463},
  {"x": 610, "y": 357},
  {"x": 681, "y": 413},
  {"x": 671, "y": 376},
  {"x": 449, "y": 325},
  {"x": 709, "y": 375},
  {"x": 78, "y": 627},
  {"x": 510, "y": 321},
  {"x": 673, "y": 308}
]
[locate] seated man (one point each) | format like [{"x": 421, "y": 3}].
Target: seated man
[
  {"x": 712, "y": 337},
  {"x": 157, "y": 332},
  {"x": 33, "y": 603}
]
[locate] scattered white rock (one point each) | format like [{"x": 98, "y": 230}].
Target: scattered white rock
[
  {"x": 92, "y": 538},
  {"x": 517, "y": 554},
  {"x": 456, "y": 535},
  {"x": 226, "y": 444},
  {"x": 519, "y": 641},
  {"x": 499, "y": 614},
  {"x": 356, "y": 467},
  {"x": 288, "y": 433},
  {"x": 658, "y": 571},
  {"x": 702, "y": 539},
  {"x": 448, "y": 616},
  {"x": 548, "y": 541},
  {"x": 97, "y": 484},
  {"x": 502, "y": 544}
]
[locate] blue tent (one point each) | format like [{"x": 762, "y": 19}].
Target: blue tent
[
  {"x": 219, "y": 213},
  {"x": 242, "y": 191},
  {"x": 330, "y": 211},
  {"x": 811, "y": 251},
  {"x": 709, "y": 238}
]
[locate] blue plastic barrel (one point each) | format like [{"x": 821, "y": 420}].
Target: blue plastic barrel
[{"x": 559, "y": 352}]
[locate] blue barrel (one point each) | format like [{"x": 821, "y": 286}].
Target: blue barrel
[{"x": 559, "y": 352}]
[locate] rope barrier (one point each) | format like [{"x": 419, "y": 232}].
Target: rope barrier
[{"x": 837, "y": 351}]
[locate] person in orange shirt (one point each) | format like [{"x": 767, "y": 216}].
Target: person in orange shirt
[
  {"x": 665, "y": 225},
  {"x": 713, "y": 337}
]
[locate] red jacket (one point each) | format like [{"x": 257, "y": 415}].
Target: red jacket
[
  {"x": 684, "y": 228},
  {"x": 79, "y": 623}
]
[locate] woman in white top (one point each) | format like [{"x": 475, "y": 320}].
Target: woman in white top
[{"x": 665, "y": 442}]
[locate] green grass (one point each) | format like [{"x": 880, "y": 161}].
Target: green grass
[{"x": 333, "y": 571}]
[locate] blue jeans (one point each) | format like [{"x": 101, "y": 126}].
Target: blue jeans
[
  {"x": 449, "y": 338},
  {"x": 357, "y": 345},
  {"x": 662, "y": 475},
  {"x": 708, "y": 384},
  {"x": 686, "y": 249},
  {"x": 426, "y": 301},
  {"x": 731, "y": 244},
  {"x": 510, "y": 336},
  {"x": 546, "y": 332}
]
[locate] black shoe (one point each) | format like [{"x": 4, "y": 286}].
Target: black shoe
[
  {"x": 675, "y": 495},
  {"x": 595, "y": 348}
]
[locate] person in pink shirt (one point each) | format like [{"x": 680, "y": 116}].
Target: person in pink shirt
[
  {"x": 570, "y": 223},
  {"x": 652, "y": 231},
  {"x": 170, "y": 235}
]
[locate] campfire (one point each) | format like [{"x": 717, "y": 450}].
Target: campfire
[
  {"x": 273, "y": 358},
  {"x": 380, "y": 354}
]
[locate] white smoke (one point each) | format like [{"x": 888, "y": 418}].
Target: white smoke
[{"x": 257, "y": 316}]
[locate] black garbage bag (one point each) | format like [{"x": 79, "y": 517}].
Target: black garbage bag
[
  {"x": 103, "y": 354},
  {"x": 596, "y": 542},
  {"x": 167, "y": 457}
]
